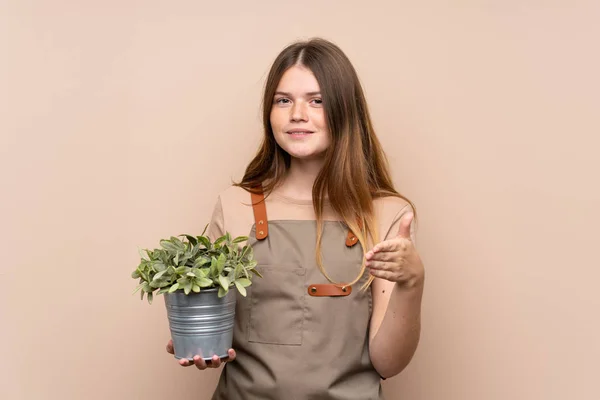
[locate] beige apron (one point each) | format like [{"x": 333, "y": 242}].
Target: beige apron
[{"x": 297, "y": 336}]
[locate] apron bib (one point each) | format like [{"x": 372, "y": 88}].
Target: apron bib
[{"x": 297, "y": 336}]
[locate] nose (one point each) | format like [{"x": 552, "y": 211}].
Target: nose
[{"x": 298, "y": 112}]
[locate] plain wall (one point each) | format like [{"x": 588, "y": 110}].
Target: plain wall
[{"x": 122, "y": 120}]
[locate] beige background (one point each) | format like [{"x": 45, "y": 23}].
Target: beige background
[{"x": 122, "y": 120}]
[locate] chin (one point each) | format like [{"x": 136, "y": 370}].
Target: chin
[
  {"x": 309, "y": 149},
  {"x": 307, "y": 156}
]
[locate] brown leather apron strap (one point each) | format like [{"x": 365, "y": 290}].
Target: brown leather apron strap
[
  {"x": 328, "y": 290},
  {"x": 351, "y": 239},
  {"x": 260, "y": 215}
]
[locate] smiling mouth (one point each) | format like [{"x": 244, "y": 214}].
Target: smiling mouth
[{"x": 302, "y": 132}]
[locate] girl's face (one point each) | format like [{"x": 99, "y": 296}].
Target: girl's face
[{"x": 297, "y": 115}]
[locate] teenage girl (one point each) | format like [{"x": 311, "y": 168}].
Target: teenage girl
[{"x": 339, "y": 304}]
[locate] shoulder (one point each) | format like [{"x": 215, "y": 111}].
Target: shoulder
[
  {"x": 388, "y": 207},
  {"x": 234, "y": 210},
  {"x": 233, "y": 191},
  {"x": 389, "y": 211},
  {"x": 234, "y": 197}
]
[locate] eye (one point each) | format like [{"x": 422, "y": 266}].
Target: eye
[
  {"x": 317, "y": 101},
  {"x": 282, "y": 100}
]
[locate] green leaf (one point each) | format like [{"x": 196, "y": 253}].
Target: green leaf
[
  {"x": 222, "y": 292},
  {"x": 214, "y": 271},
  {"x": 237, "y": 272},
  {"x": 163, "y": 290},
  {"x": 240, "y": 239},
  {"x": 205, "y": 241},
  {"x": 185, "y": 260},
  {"x": 159, "y": 266},
  {"x": 224, "y": 282},
  {"x": 135, "y": 274},
  {"x": 220, "y": 240},
  {"x": 159, "y": 274},
  {"x": 240, "y": 288},
  {"x": 180, "y": 270},
  {"x": 205, "y": 228},
  {"x": 150, "y": 297},
  {"x": 187, "y": 288},
  {"x": 245, "y": 251},
  {"x": 155, "y": 284},
  {"x": 221, "y": 262},
  {"x": 144, "y": 254},
  {"x": 167, "y": 245},
  {"x": 244, "y": 282},
  {"x": 201, "y": 261},
  {"x": 196, "y": 288},
  {"x": 144, "y": 275},
  {"x": 204, "y": 282},
  {"x": 174, "y": 287},
  {"x": 257, "y": 273},
  {"x": 191, "y": 239},
  {"x": 178, "y": 243},
  {"x": 198, "y": 273},
  {"x": 191, "y": 274}
]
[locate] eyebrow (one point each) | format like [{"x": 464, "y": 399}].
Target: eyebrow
[{"x": 290, "y": 95}]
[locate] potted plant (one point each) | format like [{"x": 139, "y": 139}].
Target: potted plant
[{"x": 195, "y": 276}]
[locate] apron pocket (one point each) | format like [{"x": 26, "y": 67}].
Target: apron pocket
[{"x": 277, "y": 305}]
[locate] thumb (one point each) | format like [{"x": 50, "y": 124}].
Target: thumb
[{"x": 405, "y": 222}]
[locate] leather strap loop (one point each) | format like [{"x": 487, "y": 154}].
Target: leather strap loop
[
  {"x": 328, "y": 290},
  {"x": 260, "y": 215},
  {"x": 351, "y": 239}
]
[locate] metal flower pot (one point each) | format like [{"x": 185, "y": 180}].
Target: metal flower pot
[{"x": 201, "y": 323}]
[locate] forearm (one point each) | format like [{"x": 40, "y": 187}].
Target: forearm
[{"x": 394, "y": 344}]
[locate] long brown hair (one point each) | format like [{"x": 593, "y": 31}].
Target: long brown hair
[{"x": 355, "y": 171}]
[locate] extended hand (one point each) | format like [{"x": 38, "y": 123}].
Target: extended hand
[{"x": 397, "y": 259}]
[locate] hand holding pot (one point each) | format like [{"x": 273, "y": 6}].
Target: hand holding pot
[{"x": 199, "y": 362}]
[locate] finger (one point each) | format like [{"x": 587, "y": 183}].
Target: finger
[
  {"x": 387, "y": 245},
  {"x": 215, "y": 362},
  {"x": 200, "y": 363},
  {"x": 378, "y": 265},
  {"x": 385, "y": 256},
  {"x": 383, "y": 274},
  {"x": 232, "y": 354},
  {"x": 184, "y": 362},
  {"x": 170, "y": 348},
  {"x": 405, "y": 222}
]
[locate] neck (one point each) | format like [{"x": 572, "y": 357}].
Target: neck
[{"x": 300, "y": 178}]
